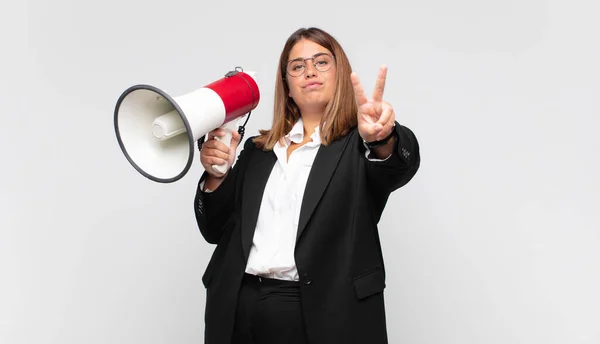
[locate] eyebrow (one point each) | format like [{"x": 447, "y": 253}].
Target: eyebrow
[{"x": 302, "y": 58}]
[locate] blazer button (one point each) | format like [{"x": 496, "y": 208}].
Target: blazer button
[{"x": 307, "y": 280}]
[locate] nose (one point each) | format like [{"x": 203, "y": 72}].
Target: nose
[{"x": 310, "y": 70}]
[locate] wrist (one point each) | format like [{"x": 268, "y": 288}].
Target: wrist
[
  {"x": 380, "y": 143},
  {"x": 211, "y": 182}
]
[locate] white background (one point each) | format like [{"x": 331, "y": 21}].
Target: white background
[{"x": 496, "y": 240}]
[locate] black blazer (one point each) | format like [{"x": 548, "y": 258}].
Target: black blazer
[{"x": 338, "y": 252}]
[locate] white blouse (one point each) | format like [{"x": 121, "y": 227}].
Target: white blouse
[{"x": 272, "y": 251}]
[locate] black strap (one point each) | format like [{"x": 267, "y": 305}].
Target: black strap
[{"x": 381, "y": 142}]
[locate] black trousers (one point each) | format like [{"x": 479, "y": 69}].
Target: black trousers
[{"x": 269, "y": 311}]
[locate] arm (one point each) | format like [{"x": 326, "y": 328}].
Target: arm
[
  {"x": 214, "y": 209},
  {"x": 383, "y": 176},
  {"x": 396, "y": 162}
]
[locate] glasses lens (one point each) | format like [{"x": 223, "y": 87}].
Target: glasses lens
[
  {"x": 323, "y": 63},
  {"x": 295, "y": 68}
]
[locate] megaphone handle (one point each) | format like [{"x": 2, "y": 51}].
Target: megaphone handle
[{"x": 226, "y": 139}]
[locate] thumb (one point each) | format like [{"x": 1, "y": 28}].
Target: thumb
[{"x": 235, "y": 140}]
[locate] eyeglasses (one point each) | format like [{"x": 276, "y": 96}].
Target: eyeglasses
[{"x": 321, "y": 61}]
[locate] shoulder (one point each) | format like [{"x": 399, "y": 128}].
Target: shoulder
[
  {"x": 249, "y": 143},
  {"x": 249, "y": 146},
  {"x": 256, "y": 143}
]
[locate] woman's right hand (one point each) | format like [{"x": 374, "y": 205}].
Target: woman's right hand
[{"x": 214, "y": 152}]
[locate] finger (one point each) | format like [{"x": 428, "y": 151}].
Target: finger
[
  {"x": 372, "y": 129},
  {"x": 386, "y": 114},
  {"x": 235, "y": 139},
  {"x": 359, "y": 92},
  {"x": 380, "y": 83},
  {"x": 215, "y": 154},
  {"x": 212, "y": 144},
  {"x": 214, "y": 161},
  {"x": 216, "y": 144},
  {"x": 216, "y": 133},
  {"x": 383, "y": 133},
  {"x": 216, "y": 148},
  {"x": 386, "y": 130}
]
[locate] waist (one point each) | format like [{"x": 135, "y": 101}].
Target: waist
[{"x": 266, "y": 281}]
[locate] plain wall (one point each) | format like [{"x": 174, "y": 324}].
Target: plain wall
[{"x": 496, "y": 239}]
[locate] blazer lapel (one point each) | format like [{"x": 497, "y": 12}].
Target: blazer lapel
[
  {"x": 325, "y": 163},
  {"x": 255, "y": 180}
]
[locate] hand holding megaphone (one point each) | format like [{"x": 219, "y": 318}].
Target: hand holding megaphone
[{"x": 219, "y": 151}]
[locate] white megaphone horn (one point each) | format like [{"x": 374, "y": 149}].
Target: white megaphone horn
[{"x": 157, "y": 133}]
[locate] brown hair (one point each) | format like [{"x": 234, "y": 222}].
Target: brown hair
[{"x": 340, "y": 113}]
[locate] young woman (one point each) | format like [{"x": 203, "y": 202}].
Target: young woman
[{"x": 298, "y": 257}]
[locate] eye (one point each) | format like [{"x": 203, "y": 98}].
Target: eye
[
  {"x": 323, "y": 61},
  {"x": 296, "y": 65}
]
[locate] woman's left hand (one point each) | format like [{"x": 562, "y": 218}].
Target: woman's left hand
[{"x": 376, "y": 117}]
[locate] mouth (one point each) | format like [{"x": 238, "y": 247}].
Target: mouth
[{"x": 313, "y": 85}]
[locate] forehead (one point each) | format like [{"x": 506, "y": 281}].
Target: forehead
[{"x": 306, "y": 48}]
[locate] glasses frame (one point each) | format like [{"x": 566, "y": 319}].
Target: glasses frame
[{"x": 304, "y": 60}]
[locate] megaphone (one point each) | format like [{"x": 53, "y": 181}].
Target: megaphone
[{"x": 157, "y": 133}]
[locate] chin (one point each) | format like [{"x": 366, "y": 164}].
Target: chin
[{"x": 314, "y": 106}]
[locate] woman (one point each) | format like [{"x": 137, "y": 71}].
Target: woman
[{"x": 298, "y": 257}]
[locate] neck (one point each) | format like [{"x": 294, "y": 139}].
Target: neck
[{"x": 311, "y": 120}]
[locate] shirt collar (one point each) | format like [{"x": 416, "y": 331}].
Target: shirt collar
[{"x": 296, "y": 135}]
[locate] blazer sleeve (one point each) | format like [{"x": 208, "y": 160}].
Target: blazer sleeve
[
  {"x": 388, "y": 175},
  {"x": 213, "y": 210}
]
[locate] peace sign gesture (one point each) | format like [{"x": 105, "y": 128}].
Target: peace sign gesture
[{"x": 376, "y": 117}]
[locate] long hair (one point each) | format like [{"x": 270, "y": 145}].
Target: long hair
[{"x": 341, "y": 111}]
